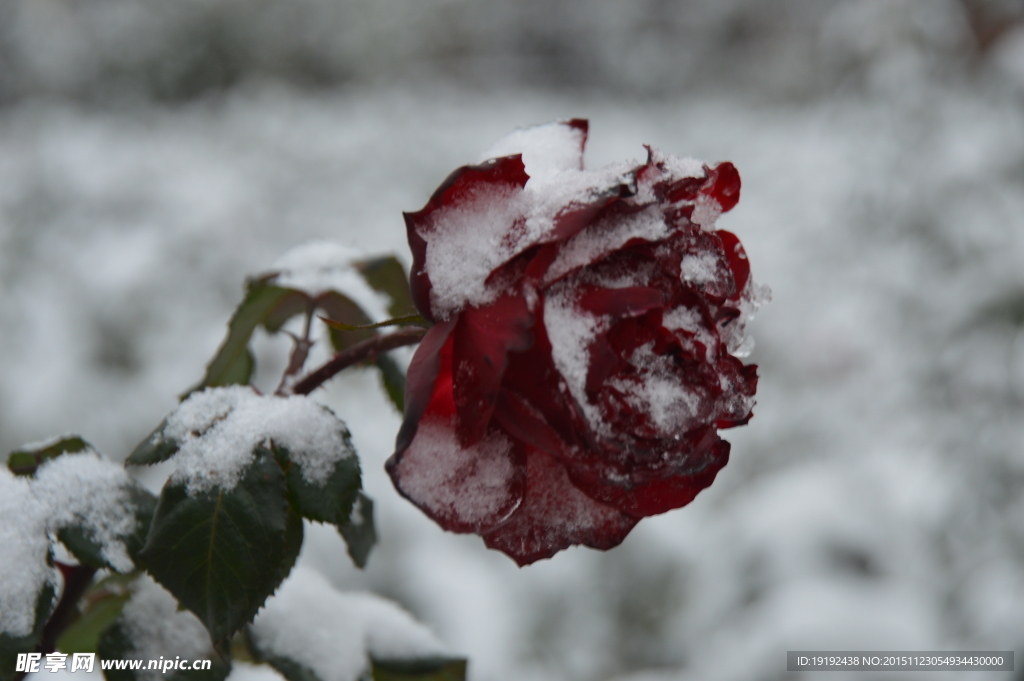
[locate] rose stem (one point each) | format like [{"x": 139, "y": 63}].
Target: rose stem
[
  {"x": 360, "y": 352},
  {"x": 299, "y": 354}
]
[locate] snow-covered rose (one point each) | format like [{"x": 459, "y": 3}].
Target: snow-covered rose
[{"x": 583, "y": 350}]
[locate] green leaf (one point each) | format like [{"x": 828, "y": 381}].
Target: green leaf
[
  {"x": 393, "y": 379},
  {"x": 154, "y": 449},
  {"x": 82, "y": 543},
  {"x": 115, "y": 643},
  {"x": 11, "y": 646},
  {"x": 330, "y": 502},
  {"x": 428, "y": 669},
  {"x": 288, "y": 668},
  {"x": 264, "y": 304},
  {"x": 343, "y": 311},
  {"x": 387, "y": 275},
  {"x": 221, "y": 553},
  {"x": 83, "y": 636},
  {"x": 26, "y": 461},
  {"x": 360, "y": 532}
]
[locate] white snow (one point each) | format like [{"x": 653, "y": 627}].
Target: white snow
[
  {"x": 82, "y": 489},
  {"x": 470, "y": 485},
  {"x": 886, "y": 223},
  {"x": 571, "y": 331},
  {"x": 467, "y": 242},
  {"x": 320, "y": 266},
  {"x": 546, "y": 148},
  {"x": 157, "y": 627},
  {"x": 657, "y": 391},
  {"x": 606, "y": 236},
  {"x": 87, "y": 489},
  {"x": 334, "y": 633},
  {"x": 217, "y": 429},
  {"x": 25, "y": 545}
]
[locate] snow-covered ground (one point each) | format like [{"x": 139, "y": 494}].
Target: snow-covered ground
[{"x": 876, "y": 500}]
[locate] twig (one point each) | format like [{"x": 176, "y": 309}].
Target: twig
[
  {"x": 298, "y": 358},
  {"x": 362, "y": 351}
]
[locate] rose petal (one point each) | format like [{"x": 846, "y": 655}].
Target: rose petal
[
  {"x": 647, "y": 493},
  {"x": 725, "y": 185},
  {"x": 555, "y": 515},
  {"x": 620, "y": 302},
  {"x": 421, "y": 380},
  {"x": 482, "y": 341},
  {"x": 532, "y": 378},
  {"x": 464, "y": 489},
  {"x": 737, "y": 259},
  {"x": 461, "y": 187},
  {"x": 526, "y": 423}
]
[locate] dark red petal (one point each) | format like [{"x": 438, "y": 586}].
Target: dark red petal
[
  {"x": 575, "y": 217},
  {"x": 737, "y": 259},
  {"x": 725, "y": 185},
  {"x": 461, "y": 185},
  {"x": 524, "y": 422},
  {"x": 555, "y": 515},
  {"x": 583, "y": 125},
  {"x": 483, "y": 338},
  {"x": 621, "y": 302},
  {"x": 463, "y": 489},
  {"x": 421, "y": 379},
  {"x": 655, "y": 494},
  {"x": 532, "y": 376}
]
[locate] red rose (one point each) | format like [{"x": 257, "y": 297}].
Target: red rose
[{"x": 582, "y": 353}]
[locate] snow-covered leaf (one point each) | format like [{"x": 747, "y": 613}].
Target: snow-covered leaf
[
  {"x": 151, "y": 626},
  {"x": 11, "y": 644},
  {"x": 222, "y": 551},
  {"x": 327, "y": 500},
  {"x": 26, "y": 459},
  {"x": 311, "y": 632},
  {"x": 82, "y": 540},
  {"x": 154, "y": 449},
  {"x": 360, "y": 532},
  {"x": 98, "y": 512}
]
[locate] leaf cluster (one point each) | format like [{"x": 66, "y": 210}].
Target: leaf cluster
[{"x": 221, "y": 551}]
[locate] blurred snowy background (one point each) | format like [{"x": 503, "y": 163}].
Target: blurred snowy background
[{"x": 154, "y": 153}]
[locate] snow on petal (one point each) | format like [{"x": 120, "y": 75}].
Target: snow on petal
[
  {"x": 464, "y": 489},
  {"x": 468, "y": 241},
  {"x": 545, "y": 148},
  {"x": 23, "y": 558},
  {"x": 217, "y": 429},
  {"x": 555, "y": 515},
  {"x": 333, "y": 633},
  {"x": 571, "y": 331},
  {"x": 605, "y": 237}
]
